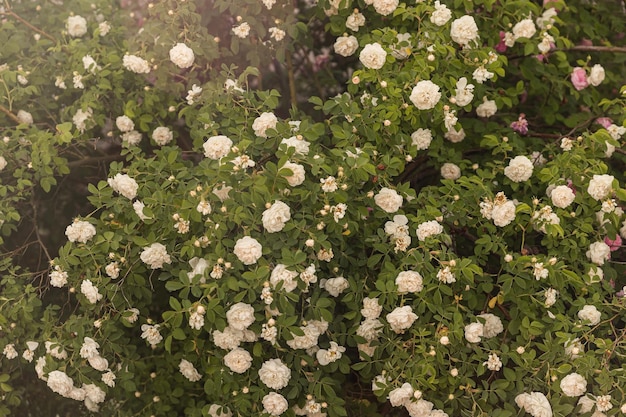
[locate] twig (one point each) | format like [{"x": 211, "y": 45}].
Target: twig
[
  {"x": 10, "y": 12},
  {"x": 592, "y": 48},
  {"x": 8, "y": 113}
]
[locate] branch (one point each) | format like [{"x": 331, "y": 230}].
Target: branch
[
  {"x": 96, "y": 159},
  {"x": 592, "y": 48},
  {"x": 11, "y": 13},
  {"x": 8, "y": 113},
  {"x": 292, "y": 82}
]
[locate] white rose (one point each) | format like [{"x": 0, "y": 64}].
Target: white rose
[
  {"x": 162, "y": 135},
  {"x": 596, "y": 75},
  {"x": 600, "y": 186},
  {"x": 450, "y": 171},
  {"x": 242, "y": 31},
  {"x": 535, "y": 404},
  {"x": 455, "y": 136},
  {"x": 421, "y": 138},
  {"x": 76, "y": 26},
  {"x": 248, "y": 250},
  {"x": 24, "y": 117},
  {"x": 90, "y": 291},
  {"x": 419, "y": 408},
  {"x": 275, "y": 217},
  {"x": 355, "y": 21},
  {"x": 280, "y": 273},
  {"x": 371, "y": 309},
  {"x": 562, "y": 196},
  {"x": 401, "y": 318},
  {"x": 385, "y": 7},
  {"x": 124, "y": 123},
  {"x": 474, "y": 332},
  {"x": 80, "y": 231},
  {"x": 400, "y": 396},
  {"x": 182, "y": 55},
  {"x": 389, "y": 200},
  {"x": 441, "y": 14},
  {"x": 3, "y": 163},
  {"x": 373, "y": 56},
  {"x": 464, "y": 93},
  {"x": 217, "y": 147},
  {"x": 274, "y": 404},
  {"x": 98, "y": 363},
  {"x": 369, "y": 329},
  {"x": 427, "y": 229},
  {"x": 519, "y": 169},
  {"x": 263, "y": 122},
  {"x": 599, "y": 252},
  {"x": 590, "y": 314},
  {"x": 346, "y": 45},
  {"x": 503, "y": 214},
  {"x": 58, "y": 278},
  {"x": 59, "y": 382},
  {"x": 301, "y": 146},
  {"x": 298, "y": 174},
  {"x": 335, "y": 286},
  {"x": 112, "y": 270},
  {"x": 425, "y": 95},
  {"x": 131, "y": 138},
  {"x": 124, "y": 185},
  {"x": 155, "y": 256},
  {"x": 189, "y": 371},
  {"x": 487, "y": 109},
  {"x": 573, "y": 385},
  {"x": 274, "y": 374},
  {"x": 464, "y": 30},
  {"x": 493, "y": 325},
  {"x": 239, "y": 316},
  {"x": 524, "y": 29},
  {"x": 409, "y": 282},
  {"x": 136, "y": 64},
  {"x": 238, "y": 360}
]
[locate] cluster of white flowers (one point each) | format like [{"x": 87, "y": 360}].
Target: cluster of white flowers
[
  {"x": 280, "y": 274},
  {"x": 389, "y": 200},
  {"x": 124, "y": 185},
  {"x": 58, "y": 277},
  {"x": 81, "y": 117},
  {"x": 80, "y": 231},
  {"x": 600, "y": 186},
  {"x": 312, "y": 332},
  {"x": 151, "y": 334},
  {"x": 193, "y": 94},
  {"x": 89, "y": 351},
  {"x": 544, "y": 216},
  {"x": 399, "y": 232},
  {"x": 155, "y": 256},
  {"x": 371, "y": 327},
  {"x": 90, "y": 291},
  {"x": 441, "y": 14},
  {"x": 501, "y": 210},
  {"x": 550, "y": 295},
  {"x": 598, "y": 253},
  {"x": 242, "y": 31},
  {"x": 474, "y": 332},
  {"x": 196, "y": 318}
]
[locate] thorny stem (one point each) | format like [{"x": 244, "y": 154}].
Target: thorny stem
[{"x": 11, "y": 13}]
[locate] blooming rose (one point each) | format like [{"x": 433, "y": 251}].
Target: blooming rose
[
  {"x": 487, "y": 109},
  {"x": 90, "y": 291},
  {"x": 335, "y": 286},
  {"x": 421, "y": 138},
  {"x": 80, "y": 231},
  {"x": 131, "y": 138},
  {"x": 189, "y": 371},
  {"x": 519, "y": 169},
  {"x": 389, "y": 200},
  {"x": 524, "y": 29},
  {"x": 579, "y": 78},
  {"x": 464, "y": 93},
  {"x": 573, "y": 385},
  {"x": 409, "y": 282},
  {"x": 562, "y": 196},
  {"x": 3, "y": 163},
  {"x": 124, "y": 123},
  {"x": 474, "y": 332},
  {"x": 385, "y": 7},
  {"x": 58, "y": 277},
  {"x": 98, "y": 363},
  {"x": 600, "y": 186},
  {"x": 298, "y": 174},
  {"x": 590, "y": 314},
  {"x": 425, "y": 95},
  {"x": 535, "y": 404},
  {"x": 89, "y": 348},
  {"x": 162, "y": 135},
  {"x": 450, "y": 171},
  {"x": 263, "y": 122},
  {"x": 464, "y": 30},
  {"x": 136, "y": 64},
  {"x": 275, "y": 374},
  {"x": 355, "y": 21},
  {"x": 371, "y": 309},
  {"x": 280, "y": 273},
  {"x": 59, "y": 382},
  {"x": 369, "y": 329},
  {"x": 346, "y": 45},
  {"x": 599, "y": 252},
  {"x": 401, "y": 318},
  {"x": 217, "y": 147},
  {"x": 427, "y": 229},
  {"x": 441, "y": 14},
  {"x": 182, "y": 55},
  {"x": 124, "y": 185},
  {"x": 373, "y": 56},
  {"x": 25, "y": 117},
  {"x": 274, "y": 404},
  {"x": 300, "y": 145},
  {"x": 240, "y": 316},
  {"x": 238, "y": 360},
  {"x": 419, "y": 408},
  {"x": 503, "y": 214},
  {"x": 596, "y": 75},
  {"x": 155, "y": 256},
  {"x": 76, "y": 26},
  {"x": 400, "y": 396},
  {"x": 275, "y": 217},
  {"x": 242, "y": 31},
  {"x": 493, "y": 325},
  {"x": 248, "y": 250}
]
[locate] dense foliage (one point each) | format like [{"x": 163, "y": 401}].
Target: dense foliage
[{"x": 198, "y": 218}]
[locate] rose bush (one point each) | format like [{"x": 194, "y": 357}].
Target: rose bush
[{"x": 441, "y": 236}]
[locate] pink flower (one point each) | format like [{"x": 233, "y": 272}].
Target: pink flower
[
  {"x": 579, "y": 78},
  {"x": 613, "y": 244},
  {"x": 501, "y": 47},
  {"x": 520, "y": 125},
  {"x": 605, "y": 122}
]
